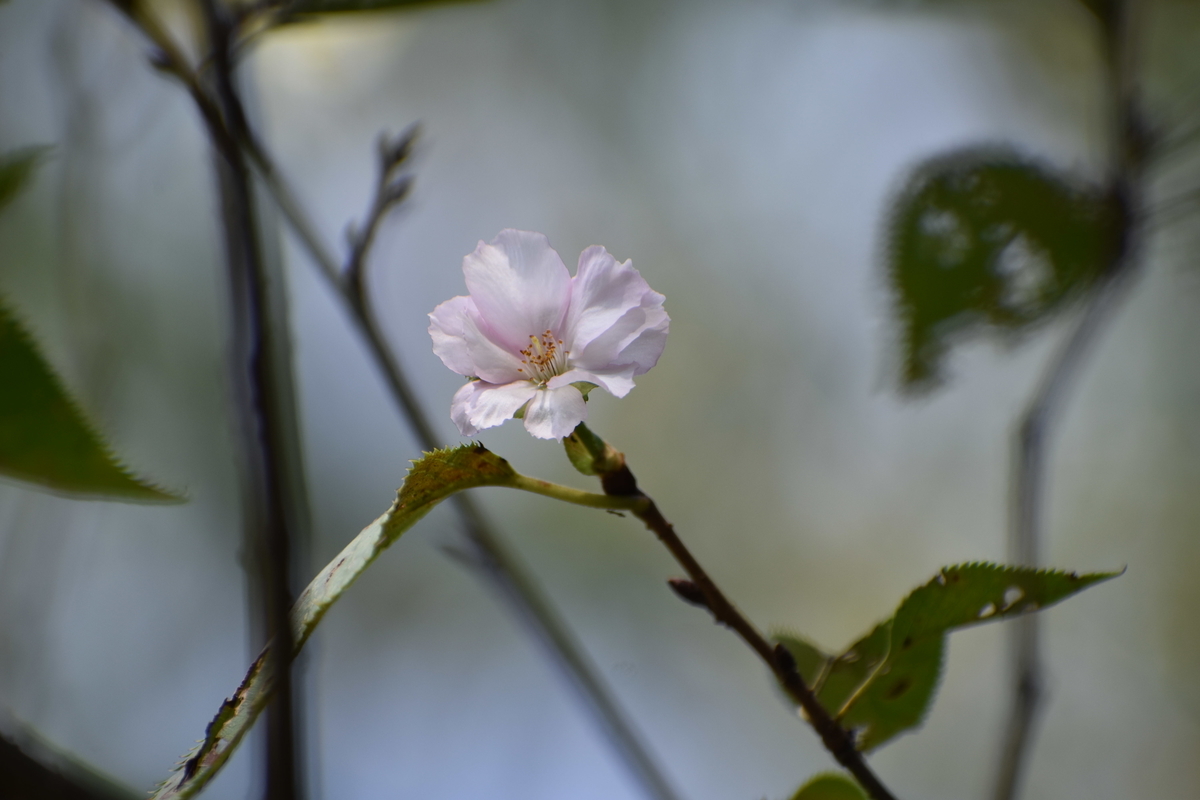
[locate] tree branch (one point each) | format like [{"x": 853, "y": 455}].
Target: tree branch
[
  {"x": 1131, "y": 146},
  {"x": 618, "y": 480},
  {"x": 492, "y": 558},
  {"x": 266, "y": 451}
]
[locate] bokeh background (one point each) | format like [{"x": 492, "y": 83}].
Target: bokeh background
[{"x": 743, "y": 155}]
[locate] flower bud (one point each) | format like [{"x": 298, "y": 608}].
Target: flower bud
[{"x": 590, "y": 454}]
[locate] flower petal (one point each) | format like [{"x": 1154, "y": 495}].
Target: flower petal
[
  {"x": 644, "y": 350},
  {"x": 617, "y": 383},
  {"x": 491, "y": 361},
  {"x": 519, "y": 285},
  {"x": 612, "y": 306},
  {"x": 479, "y": 405},
  {"x": 554, "y": 413},
  {"x": 636, "y": 339},
  {"x": 446, "y": 330}
]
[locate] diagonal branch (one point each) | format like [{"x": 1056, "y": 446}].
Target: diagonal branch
[
  {"x": 617, "y": 479},
  {"x": 492, "y": 558}
]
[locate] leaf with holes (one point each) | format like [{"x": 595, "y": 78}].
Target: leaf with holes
[
  {"x": 988, "y": 241},
  {"x": 829, "y": 786},
  {"x": 431, "y": 480},
  {"x": 44, "y": 437},
  {"x": 884, "y": 683}
]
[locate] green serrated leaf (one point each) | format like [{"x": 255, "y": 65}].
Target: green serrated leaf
[
  {"x": 829, "y": 786},
  {"x": 897, "y": 694},
  {"x": 44, "y": 437},
  {"x": 16, "y": 168},
  {"x": 988, "y": 241},
  {"x": 884, "y": 683},
  {"x": 303, "y": 7},
  {"x": 432, "y": 479}
]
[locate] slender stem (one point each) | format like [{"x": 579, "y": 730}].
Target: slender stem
[
  {"x": 620, "y": 482},
  {"x": 267, "y": 439},
  {"x": 492, "y": 558},
  {"x": 638, "y": 504},
  {"x": 1037, "y": 421}
]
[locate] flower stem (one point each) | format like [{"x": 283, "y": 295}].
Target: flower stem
[{"x": 636, "y": 505}]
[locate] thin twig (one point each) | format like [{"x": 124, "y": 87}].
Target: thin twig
[
  {"x": 266, "y": 451},
  {"x": 492, "y": 558},
  {"x": 1029, "y": 450},
  {"x": 1175, "y": 208},
  {"x": 837, "y": 740},
  {"x": 1131, "y": 145}
]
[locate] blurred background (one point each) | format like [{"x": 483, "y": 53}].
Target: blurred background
[{"x": 744, "y": 156}]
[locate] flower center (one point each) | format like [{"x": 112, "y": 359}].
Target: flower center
[{"x": 544, "y": 358}]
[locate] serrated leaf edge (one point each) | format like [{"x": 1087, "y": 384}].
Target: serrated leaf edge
[{"x": 24, "y": 332}]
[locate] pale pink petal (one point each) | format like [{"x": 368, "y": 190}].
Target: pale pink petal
[
  {"x": 554, "y": 413},
  {"x": 449, "y": 341},
  {"x": 520, "y": 286},
  {"x": 618, "y": 383},
  {"x": 490, "y": 361},
  {"x": 636, "y": 339},
  {"x": 602, "y": 292},
  {"x": 644, "y": 350},
  {"x": 479, "y": 405}
]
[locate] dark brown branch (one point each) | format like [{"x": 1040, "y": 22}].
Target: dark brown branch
[
  {"x": 264, "y": 435},
  {"x": 837, "y": 740},
  {"x": 492, "y": 558}
]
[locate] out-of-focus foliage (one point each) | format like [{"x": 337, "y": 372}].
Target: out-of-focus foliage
[
  {"x": 16, "y": 168},
  {"x": 44, "y": 437},
  {"x": 884, "y": 683},
  {"x": 985, "y": 240},
  {"x": 829, "y": 786},
  {"x": 431, "y": 480},
  {"x": 332, "y": 6}
]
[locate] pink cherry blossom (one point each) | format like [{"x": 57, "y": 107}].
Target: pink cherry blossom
[{"x": 535, "y": 340}]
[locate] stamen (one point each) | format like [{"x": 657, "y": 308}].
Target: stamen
[{"x": 544, "y": 357}]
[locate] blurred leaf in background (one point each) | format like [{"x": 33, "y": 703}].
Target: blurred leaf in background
[
  {"x": 985, "y": 239},
  {"x": 332, "y": 6},
  {"x": 16, "y": 168},
  {"x": 44, "y": 437}
]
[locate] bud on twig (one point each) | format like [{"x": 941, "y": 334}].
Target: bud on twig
[{"x": 688, "y": 591}]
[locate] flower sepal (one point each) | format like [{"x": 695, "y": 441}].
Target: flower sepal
[
  {"x": 584, "y": 387},
  {"x": 590, "y": 454}
]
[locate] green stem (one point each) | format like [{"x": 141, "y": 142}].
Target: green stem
[{"x": 578, "y": 496}]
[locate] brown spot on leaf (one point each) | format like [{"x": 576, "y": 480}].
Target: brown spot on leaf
[{"x": 899, "y": 688}]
